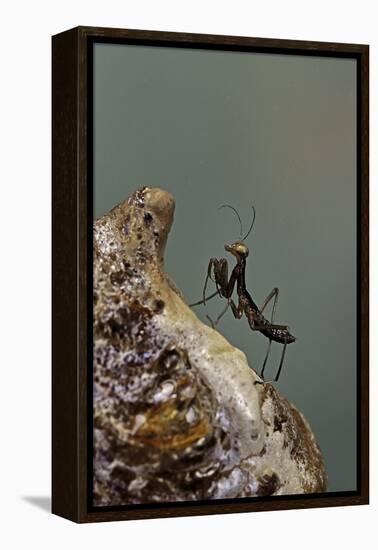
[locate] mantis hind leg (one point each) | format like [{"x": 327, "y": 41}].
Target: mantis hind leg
[
  {"x": 266, "y": 359},
  {"x": 281, "y": 363},
  {"x": 272, "y": 295},
  {"x": 279, "y": 368}
]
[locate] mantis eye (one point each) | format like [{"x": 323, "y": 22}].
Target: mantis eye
[{"x": 243, "y": 250}]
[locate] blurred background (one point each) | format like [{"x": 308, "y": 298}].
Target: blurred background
[{"x": 275, "y": 131}]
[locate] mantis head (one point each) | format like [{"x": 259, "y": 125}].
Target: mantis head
[{"x": 238, "y": 249}]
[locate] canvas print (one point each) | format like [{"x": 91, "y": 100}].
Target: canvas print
[{"x": 224, "y": 353}]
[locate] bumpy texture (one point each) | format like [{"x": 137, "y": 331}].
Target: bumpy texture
[{"x": 177, "y": 413}]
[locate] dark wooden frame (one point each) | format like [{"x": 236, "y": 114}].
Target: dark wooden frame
[{"x": 72, "y": 280}]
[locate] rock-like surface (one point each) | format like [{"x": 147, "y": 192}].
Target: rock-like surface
[{"x": 177, "y": 413}]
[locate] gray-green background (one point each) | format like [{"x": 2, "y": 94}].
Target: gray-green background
[{"x": 276, "y": 131}]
